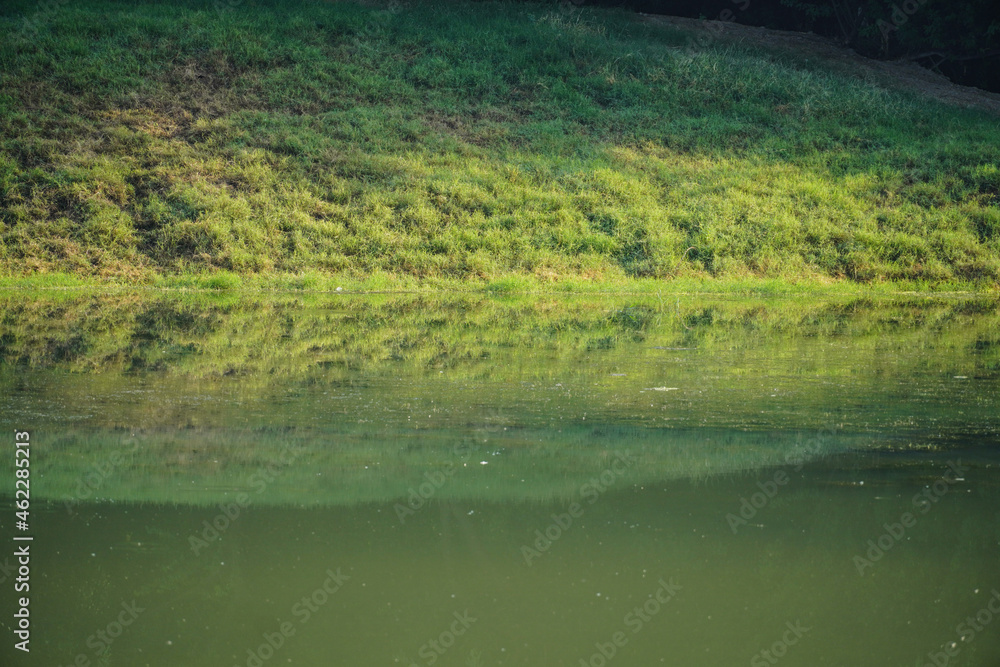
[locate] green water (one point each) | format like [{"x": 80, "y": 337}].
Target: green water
[{"x": 465, "y": 480}]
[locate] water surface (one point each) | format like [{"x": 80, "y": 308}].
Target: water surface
[{"x": 467, "y": 480}]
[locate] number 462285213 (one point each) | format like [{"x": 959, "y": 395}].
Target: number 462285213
[{"x": 22, "y": 455}]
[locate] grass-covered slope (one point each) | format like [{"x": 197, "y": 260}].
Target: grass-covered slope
[{"x": 463, "y": 141}]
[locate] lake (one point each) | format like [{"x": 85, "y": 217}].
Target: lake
[{"x": 240, "y": 480}]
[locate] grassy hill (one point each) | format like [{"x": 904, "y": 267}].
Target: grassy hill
[{"x": 468, "y": 142}]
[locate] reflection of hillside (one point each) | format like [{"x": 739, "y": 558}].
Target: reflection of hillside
[
  {"x": 295, "y": 467},
  {"x": 208, "y": 386},
  {"x": 142, "y": 361},
  {"x": 204, "y": 336}
]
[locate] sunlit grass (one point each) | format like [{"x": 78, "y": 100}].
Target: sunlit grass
[{"x": 492, "y": 145}]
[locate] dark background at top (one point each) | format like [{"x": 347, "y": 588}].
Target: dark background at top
[{"x": 958, "y": 38}]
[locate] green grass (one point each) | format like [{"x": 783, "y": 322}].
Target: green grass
[{"x": 506, "y": 146}]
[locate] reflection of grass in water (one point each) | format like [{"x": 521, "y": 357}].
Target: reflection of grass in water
[
  {"x": 264, "y": 340},
  {"x": 368, "y": 464},
  {"x": 183, "y": 373},
  {"x": 187, "y": 353}
]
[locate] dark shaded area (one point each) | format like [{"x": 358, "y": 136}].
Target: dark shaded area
[
  {"x": 960, "y": 40},
  {"x": 982, "y": 73}
]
